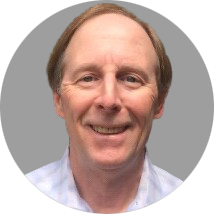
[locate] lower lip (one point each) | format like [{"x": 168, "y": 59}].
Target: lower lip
[{"x": 109, "y": 138}]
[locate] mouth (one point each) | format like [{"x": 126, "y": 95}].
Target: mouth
[{"x": 108, "y": 130}]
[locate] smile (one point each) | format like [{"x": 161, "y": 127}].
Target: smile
[{"x": 108, "y": 131}]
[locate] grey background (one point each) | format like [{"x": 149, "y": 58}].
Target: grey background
[{"x": 36, "y": 136}]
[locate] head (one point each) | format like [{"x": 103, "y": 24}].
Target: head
[{"x": 110, "y": 76}]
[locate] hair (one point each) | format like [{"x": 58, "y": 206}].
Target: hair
[{"x": 55, "y": 65}]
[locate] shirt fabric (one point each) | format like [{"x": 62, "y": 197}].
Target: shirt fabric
[{"x": 56, "y": 180}]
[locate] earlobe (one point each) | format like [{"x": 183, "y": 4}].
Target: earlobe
[
  {"x": 58, "y": 104},
  {"x": 159, "y": 110},
  {"x": 160, "y": 107}
]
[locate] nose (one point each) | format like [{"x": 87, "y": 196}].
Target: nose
[{"x": 109, "y": 97}]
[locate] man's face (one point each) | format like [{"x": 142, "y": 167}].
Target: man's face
[{"x": 108, "y": 91}]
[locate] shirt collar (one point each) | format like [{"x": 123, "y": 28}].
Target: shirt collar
[
  {"x": 147, "y": 193},
  {"x": 149, "y": 189}
]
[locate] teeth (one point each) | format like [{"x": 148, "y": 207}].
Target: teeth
[{"x": 104, "y": 130}]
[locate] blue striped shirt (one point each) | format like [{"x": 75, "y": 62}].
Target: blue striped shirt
[{"x": 56, "y": 180}]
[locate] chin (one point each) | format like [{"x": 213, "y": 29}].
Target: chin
[{"x": 111, "y": 161}]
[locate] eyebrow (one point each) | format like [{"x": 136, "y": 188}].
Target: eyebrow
[
  {"x": 136, "y": 69},
  {"x": 122, "y": 68},
  {"x": 86, "y": 67}
]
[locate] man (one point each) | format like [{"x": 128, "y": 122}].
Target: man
[{"x": 110, "y": 75}]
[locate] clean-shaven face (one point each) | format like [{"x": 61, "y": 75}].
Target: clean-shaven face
[{"x": 108, "y": 91}]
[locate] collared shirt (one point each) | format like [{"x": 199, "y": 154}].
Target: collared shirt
[{"x": 56, "y": 180}]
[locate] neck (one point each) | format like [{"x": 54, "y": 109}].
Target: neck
[{"x": 107, "y": 191}]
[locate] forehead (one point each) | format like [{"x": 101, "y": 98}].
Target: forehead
[
  {"x": 111, "y": 35},
  {"x": 112, "y": 24}
]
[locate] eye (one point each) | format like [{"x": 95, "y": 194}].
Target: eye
[
  {"x": 130, "y": 79},
  {"x": 88, "y": 79}
]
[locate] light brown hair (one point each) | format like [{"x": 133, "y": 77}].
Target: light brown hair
[{"x": 56, "y": 65}]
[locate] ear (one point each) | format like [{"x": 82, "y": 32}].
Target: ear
[
  {"x": 159, "y": 111},
  {"x": 58, "y": 104},
  {"x": 159, "y": 108}
]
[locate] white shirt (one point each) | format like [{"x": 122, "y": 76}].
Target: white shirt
[{"x": 56, "y": 180}]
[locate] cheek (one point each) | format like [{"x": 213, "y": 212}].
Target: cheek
[
  {"x": 76, "y": 104},
  {"x": 141, "y": 108}
]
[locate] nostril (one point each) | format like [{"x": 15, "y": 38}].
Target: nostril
[{"x": 110, "y": 108}]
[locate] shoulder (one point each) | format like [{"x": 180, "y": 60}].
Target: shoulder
[
  {"x": 46, "y": 177},
  {"x": 167, "y": 182}
]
